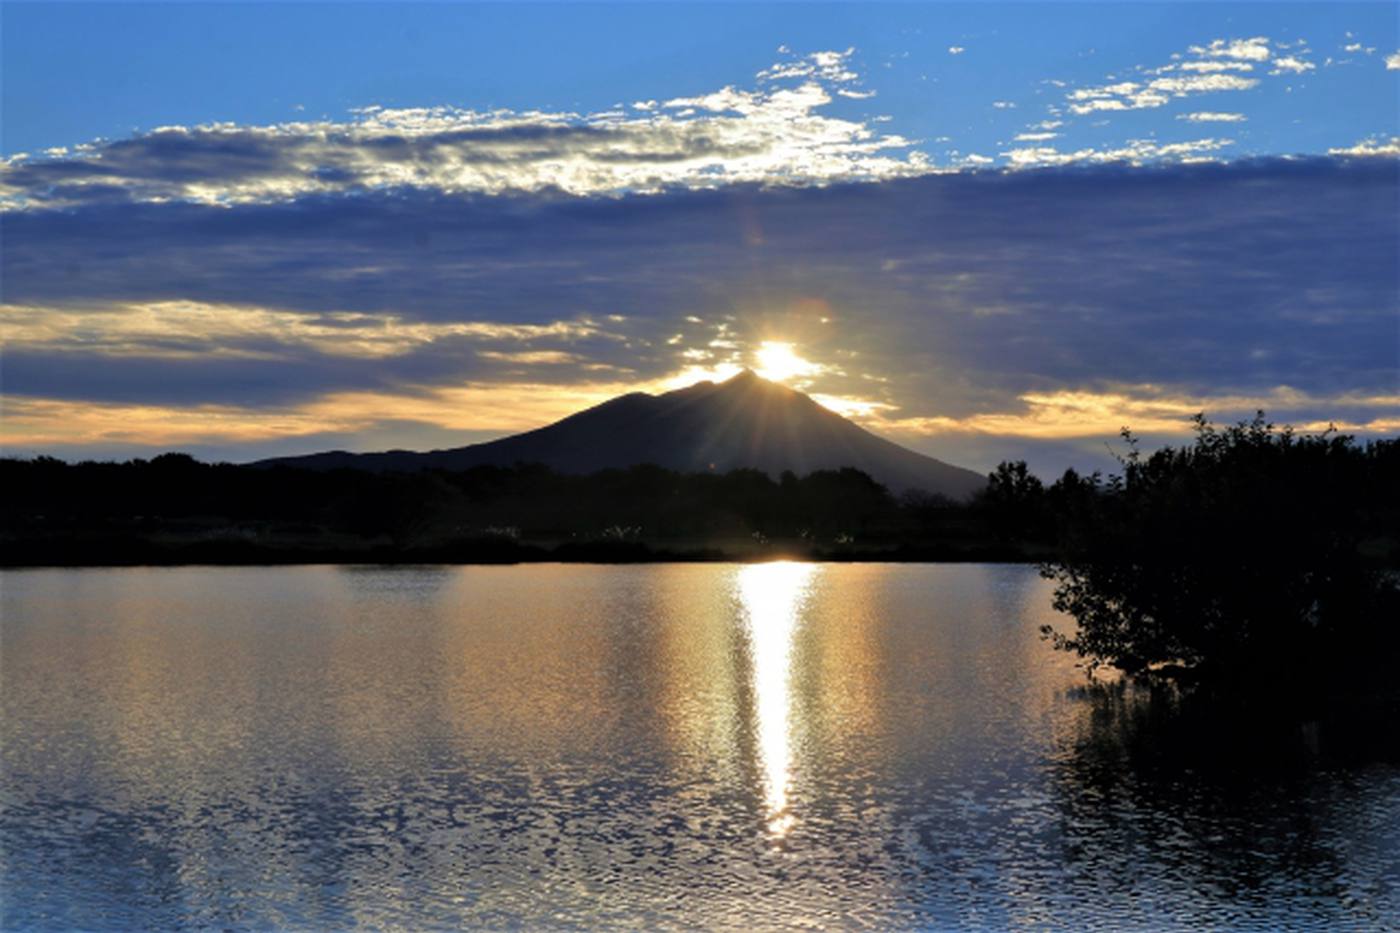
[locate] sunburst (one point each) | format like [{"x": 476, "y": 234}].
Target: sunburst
[{"x": 778, "y": 361}]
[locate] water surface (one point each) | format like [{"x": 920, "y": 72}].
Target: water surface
[{"x": 767, "y": 745}]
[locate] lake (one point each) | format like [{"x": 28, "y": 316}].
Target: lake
[{"x": 774, "y": 745}]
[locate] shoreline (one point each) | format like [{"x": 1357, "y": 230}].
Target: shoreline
[{"x": 19, "y": 555}]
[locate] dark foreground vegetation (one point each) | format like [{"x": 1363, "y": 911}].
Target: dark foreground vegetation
[
  {"x": 1299, "y": 512},
  {"x": 1250, "y": 555},
  {"x": 173, "y": 509}
]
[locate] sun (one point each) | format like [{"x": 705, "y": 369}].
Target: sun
[{"x": 779, "y": 362}]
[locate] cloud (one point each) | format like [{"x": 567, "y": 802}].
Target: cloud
[
  {"x": 956, "y": 50},
  {"x": 1133, "y": 95},
  {"x": 1202, "y": 84},
  {"x": 1149, "y": 409},
  {"x": 964, "y": 297},
  {"x": 1208, "y": 67},
  {"x": 1254, "y": 50},
  {"x": 779, "y": 133},
  {"x": 193, "y": 329},
  {"x": 831, "y": 66},
  {"x": 1034, "y": 137},
  {"x": 1135, "y": 152},
  {"x": 1370, "y": 148},
  {"x": 1091, "y": 105},
  {"x": 1212, "y": 116},
  {"x": 774, "y": 135},
  {"x": 1392, "y": 62},
  {"x": 49, "y": 424},
  {"x": 1220, "y": 65},
  {"x": 1291, "y": 65}
]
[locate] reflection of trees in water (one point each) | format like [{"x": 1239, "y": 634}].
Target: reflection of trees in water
[
  {"x": 420, "y": 583},
  {"x": 1220, "y": 818}
]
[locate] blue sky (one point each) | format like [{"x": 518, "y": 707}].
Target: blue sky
[
  {"x": 74, "y": 72},
  {"x": 985, "y": 230}
]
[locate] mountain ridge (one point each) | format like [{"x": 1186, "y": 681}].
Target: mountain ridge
[{"x": 743, "y": 422}]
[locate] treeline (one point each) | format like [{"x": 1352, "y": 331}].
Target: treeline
[
  {"x": 173, "y": 498},
  {"x": 1246, "y": 490}
]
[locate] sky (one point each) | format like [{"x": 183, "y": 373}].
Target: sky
[{"x": 986, "y": 231}]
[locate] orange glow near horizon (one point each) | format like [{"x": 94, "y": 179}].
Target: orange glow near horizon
[{"x": 33, "y": 425}]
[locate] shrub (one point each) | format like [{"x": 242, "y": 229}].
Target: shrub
[{"x": 1235, "y": 557}]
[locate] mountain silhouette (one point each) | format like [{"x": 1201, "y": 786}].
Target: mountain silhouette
[{"x": 745, "y": 421}]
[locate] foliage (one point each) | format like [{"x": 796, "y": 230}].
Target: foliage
[
  {"x": 1238, "y": 556},
  {"x": 1014, "y": 501},
  {"x": 173, "y": 493}
]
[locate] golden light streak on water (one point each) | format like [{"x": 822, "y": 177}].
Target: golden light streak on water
[{"x": 772, "y": 596}]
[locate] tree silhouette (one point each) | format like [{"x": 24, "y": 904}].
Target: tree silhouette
[
  {"x": 1014, "y": 501},
  {"x": 1238, "y": 557}
]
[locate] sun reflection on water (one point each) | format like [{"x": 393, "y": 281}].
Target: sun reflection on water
[{"x": 772, "y": 596}]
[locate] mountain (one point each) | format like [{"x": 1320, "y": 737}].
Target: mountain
[{"x": 745, "y": 421}]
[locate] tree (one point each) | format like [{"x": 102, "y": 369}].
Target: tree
[
  {"x": 1236, "y": 557},
  {"x": 1014, "y": 501}
]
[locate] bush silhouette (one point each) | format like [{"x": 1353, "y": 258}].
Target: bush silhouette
[{"x": 1234, "y": 558}]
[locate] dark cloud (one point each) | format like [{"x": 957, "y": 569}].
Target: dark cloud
[
  {"x": 293, "y": 378},
  {"x": 965, "y": 290},
  {"x": 285, "y": 374}
]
